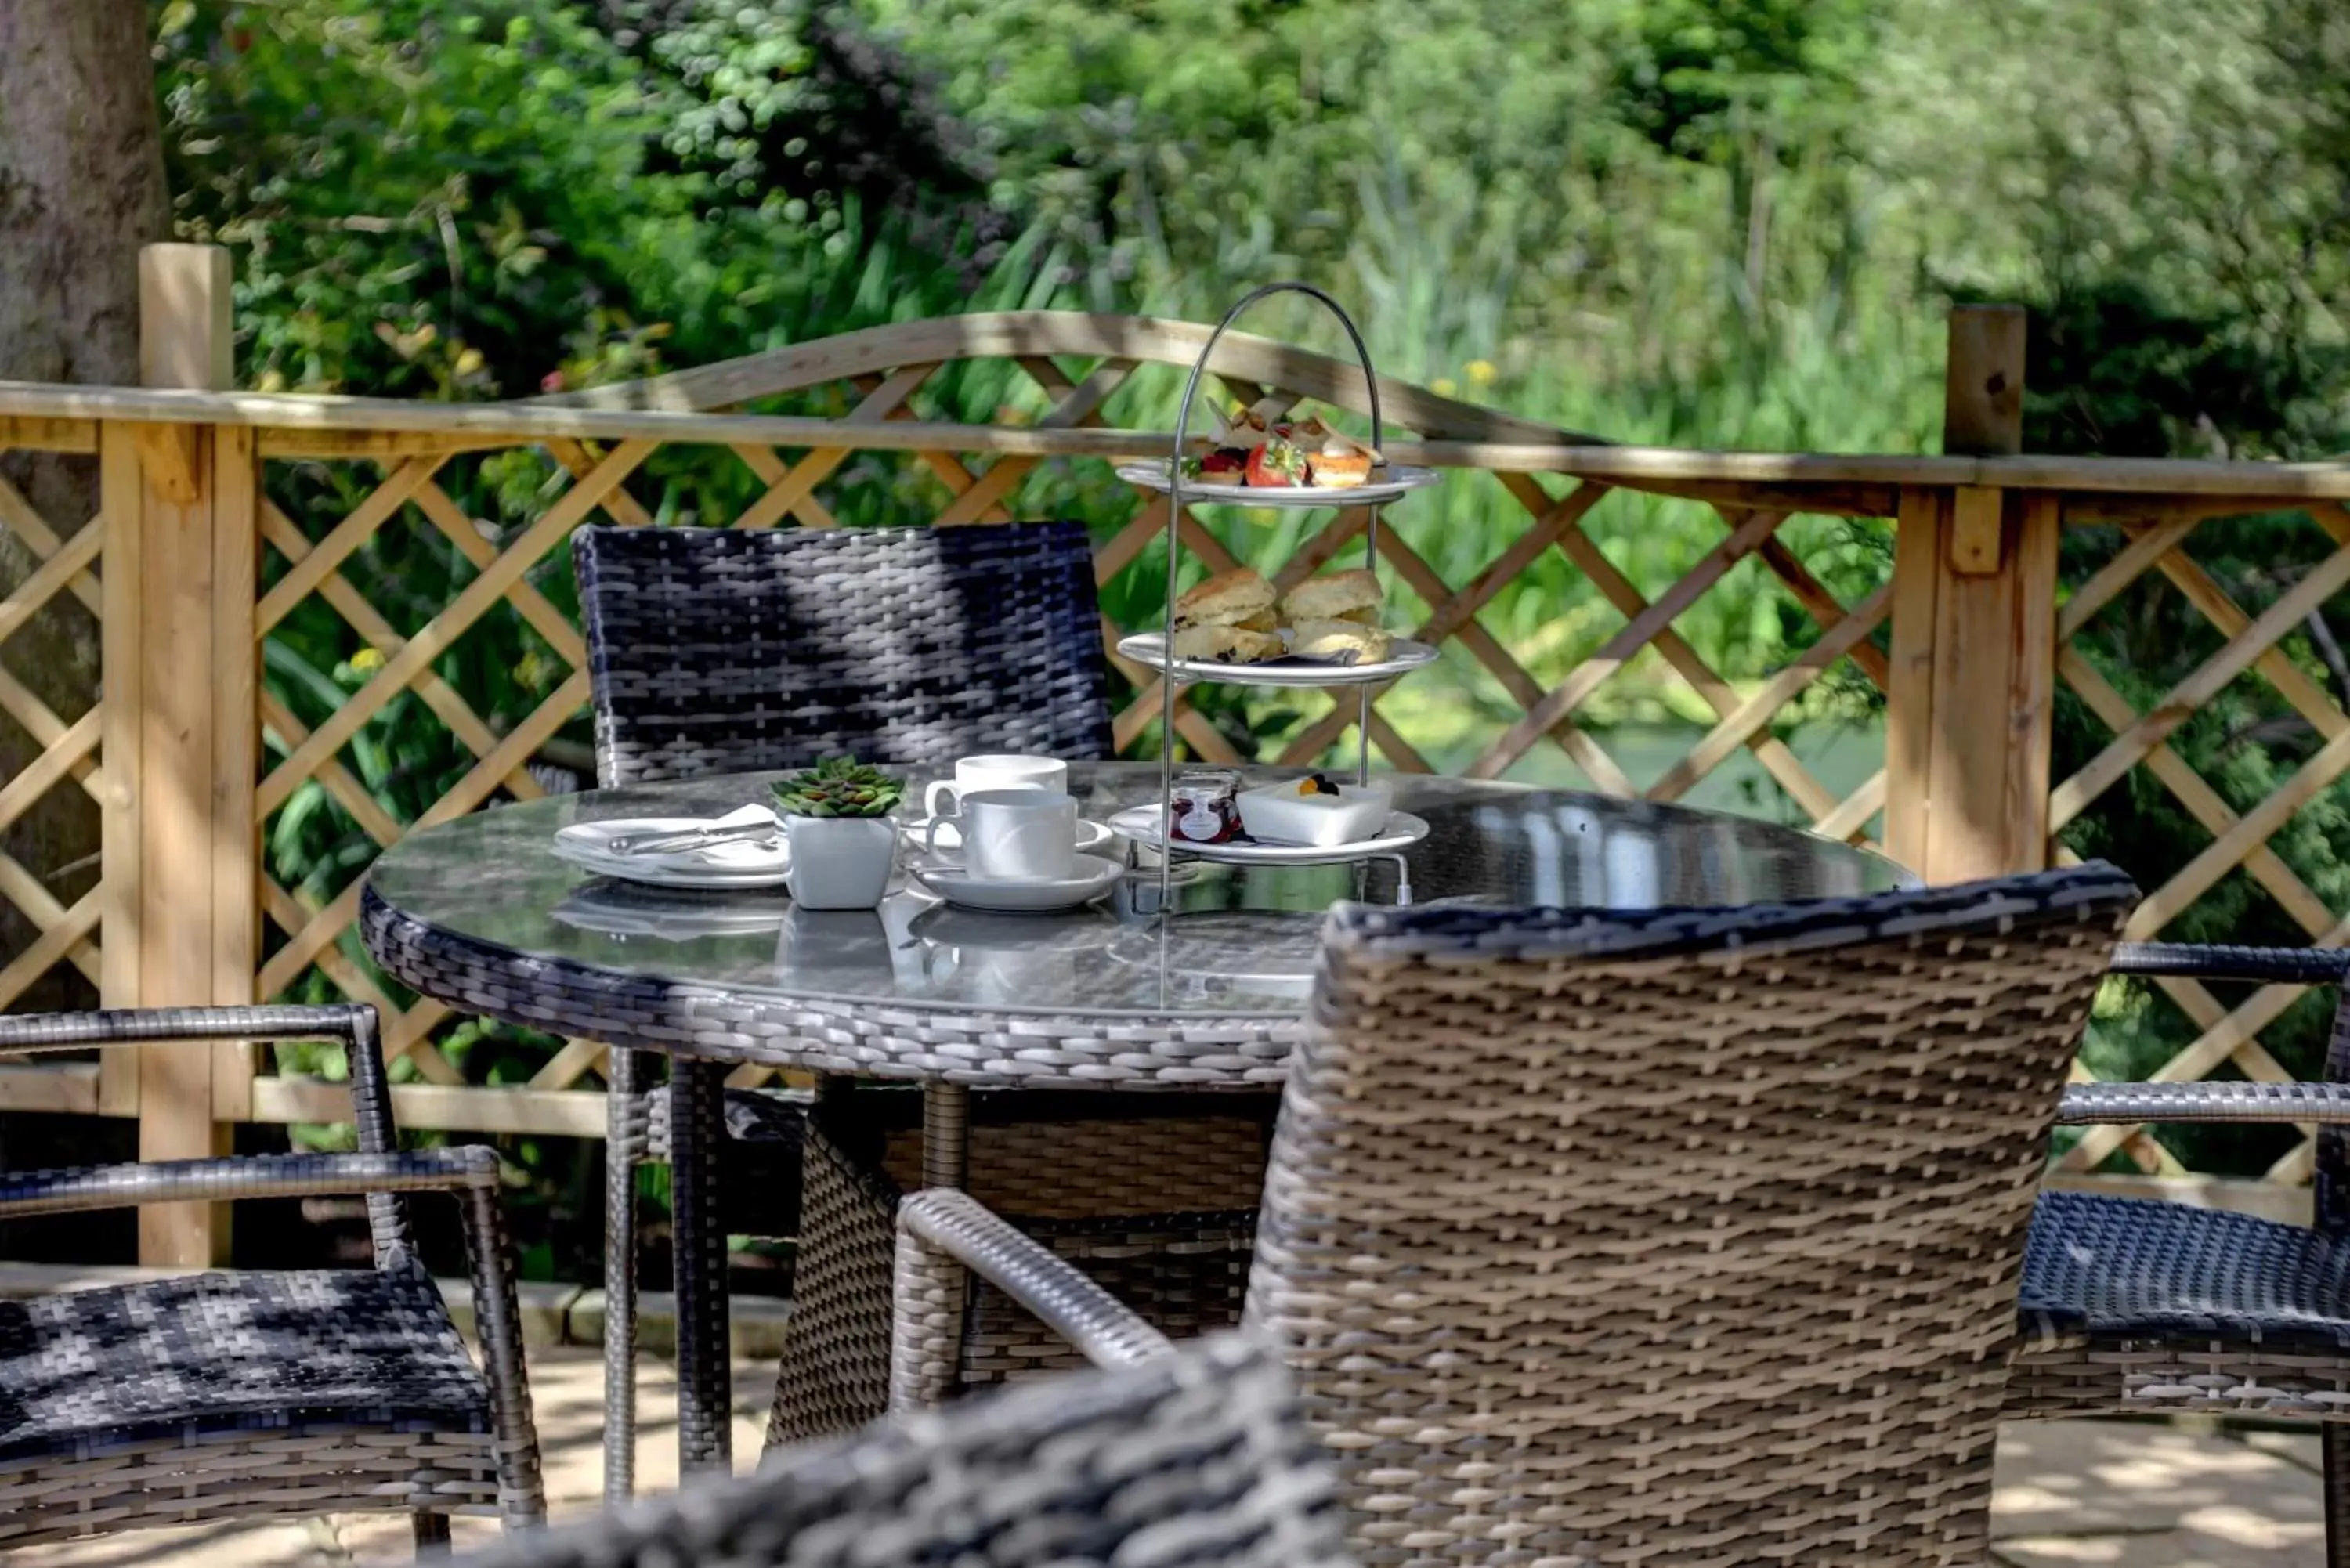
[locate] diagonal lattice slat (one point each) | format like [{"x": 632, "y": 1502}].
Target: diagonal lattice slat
[
  {"x": 67, "y": 752},
  {"x": 2240, "y": 840},
  {"x": 798, "y": 487}
]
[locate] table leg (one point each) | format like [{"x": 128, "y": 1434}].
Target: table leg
[
  {"x": 625, "y": 1138},
  {"x": 697, "y": 1126},
  {"x": 929, "y": 1289},
  {"x": 946, "y": 1136}
]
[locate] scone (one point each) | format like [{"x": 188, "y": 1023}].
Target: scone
[
  {"x": 1341, "y": 596},
  {"x": 1338, "y": 470},
  {"x": 1226, "y": 645},
  {"x": 1340, "y": 641},
  {"x": 1228, "y": 598}
]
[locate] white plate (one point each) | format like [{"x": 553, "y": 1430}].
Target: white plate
[
  {"x": 1404, "y": 656},
  {"x": 1093, "y": 837},
  {"x": 740, "y": 864},
  {"x": 1394, "y": 480},
  {"x": 957, "y": 885},
  {"x": 1142, "y": 824}
]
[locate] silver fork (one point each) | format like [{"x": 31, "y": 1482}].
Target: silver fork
[{"x": 679, "y": 838}]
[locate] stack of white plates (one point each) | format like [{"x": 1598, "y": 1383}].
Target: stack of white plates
[{"x": 737, "y": 864}]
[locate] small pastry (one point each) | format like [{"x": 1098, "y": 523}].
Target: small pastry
[
  {"x": 1338, "y": 470},
  {"x": 1226, "y": 645},
  {"x": 1225, "y": 600},
  {"x": 1225, "y": 465},
  {"x": 1340, "y": 642},
  {"x": 1341, "y": 596}
]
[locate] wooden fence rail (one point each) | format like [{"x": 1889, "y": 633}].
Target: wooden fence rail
[{"x": 196, "y": 568}]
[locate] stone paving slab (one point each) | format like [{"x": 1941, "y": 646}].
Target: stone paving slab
[{"x": 2071, "y": 1494}]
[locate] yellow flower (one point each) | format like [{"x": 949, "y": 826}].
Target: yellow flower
[
  {"x": 469, "y": 361},
  {"x": 1479, "y": 372},
  {"x": 367, "y": 659},
  {"x": 1443, "y": 387}
]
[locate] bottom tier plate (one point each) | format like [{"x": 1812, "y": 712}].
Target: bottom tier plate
[{"x": 1144, "y": 825}]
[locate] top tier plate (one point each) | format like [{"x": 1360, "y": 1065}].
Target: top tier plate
[{"x": 1393, "y": 481}]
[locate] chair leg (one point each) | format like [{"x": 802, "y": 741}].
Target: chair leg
[
  {"x": 431, "y": 1534},
  {"x": 2334, "y": 1437},
  {"x": 497, "y": 1325},
  {"x": 705, "y": 1438},
  {"x": 624, "y": 1149}
]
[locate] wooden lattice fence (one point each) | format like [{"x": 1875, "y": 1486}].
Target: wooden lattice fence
[{"x": 412, "y": 541}]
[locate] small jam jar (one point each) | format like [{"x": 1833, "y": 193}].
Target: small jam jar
[{"x": 1206, "y": 806}]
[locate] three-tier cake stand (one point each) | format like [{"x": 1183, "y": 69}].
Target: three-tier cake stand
[{"x": 1155, "y": 651}]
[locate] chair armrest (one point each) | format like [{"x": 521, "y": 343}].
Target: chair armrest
[
  {"x": 2087, "y": 1103},
  {"x": 29, "y": 1033},
  {"x": 2199, "y": 961},
  {"x": 942, "y": 1232},
  {"x": 352, "y": 1025},
  {"x": 469, "y": 1168}
]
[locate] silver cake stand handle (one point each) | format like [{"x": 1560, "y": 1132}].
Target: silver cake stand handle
[{"x": 1167, "y": 681}]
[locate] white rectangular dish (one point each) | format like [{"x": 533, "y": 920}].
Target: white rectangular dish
[{"x": 1278, "y": 813}]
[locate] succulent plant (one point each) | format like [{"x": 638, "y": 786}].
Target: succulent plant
[{"x": 839, "y": 786}]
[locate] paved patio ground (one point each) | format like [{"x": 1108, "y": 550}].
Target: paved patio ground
[{"x": 2072, "y": 1494}]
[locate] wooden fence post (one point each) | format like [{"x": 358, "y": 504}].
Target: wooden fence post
[
  {"x": 181, "y": 730},
  {"x": 1974, "y": 634}
]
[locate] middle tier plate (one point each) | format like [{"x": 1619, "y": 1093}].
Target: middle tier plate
[
  {"x": 1404, "y": 656},
  {"x": 1143, "y": 825}
]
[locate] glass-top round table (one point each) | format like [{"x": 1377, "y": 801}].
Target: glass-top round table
[{"x": 478, "y": 913}]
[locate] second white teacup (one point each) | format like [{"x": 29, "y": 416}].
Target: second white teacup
[
  {"x": 1003, "y": 771},
  {"x": 1016, "y": 835}
]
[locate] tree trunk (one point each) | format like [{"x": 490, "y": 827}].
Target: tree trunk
[{"x": 81, "y": 189}]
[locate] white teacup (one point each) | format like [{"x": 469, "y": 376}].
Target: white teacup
[
  {"x": 999, "y": 772},
  {"x": 1013, "y": 835}
]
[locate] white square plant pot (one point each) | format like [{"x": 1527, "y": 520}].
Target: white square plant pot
[{"x": 840, "y": 862}]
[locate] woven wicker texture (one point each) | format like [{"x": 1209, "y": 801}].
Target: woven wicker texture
[
  {"x": 714, "y": 650},
  {"x": 1102, "y": 1182},
  {"x": 228, "y": 1395},
  {"x": 719, "y": 651},
  {"x": 1198, "y": 1458},
  {"x": 247, "y": 1349},
  {"x": 2136, "y": 1307},
  {"x": 1689, "y": 1237}
]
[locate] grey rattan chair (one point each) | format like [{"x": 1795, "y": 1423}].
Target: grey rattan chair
[
  {"x": 2133, "y": 1307},
  {"x": 1685, "y": 1236},
  {"x": 223, "y": 1396},
  {"x": 727, "y": 652},
  {"x": 1197, "y": 1461}
]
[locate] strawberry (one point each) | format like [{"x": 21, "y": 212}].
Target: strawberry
[{"x": 1276, "y": 465}]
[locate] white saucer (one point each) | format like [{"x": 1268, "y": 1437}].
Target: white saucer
[
  {"x": 957, "y": 885},
  {"x": 1093, "y": 837}
]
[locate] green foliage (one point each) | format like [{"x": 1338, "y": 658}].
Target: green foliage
[
  {"x": 839, "y": 786},
  {"x": 1716, "y": 222}
]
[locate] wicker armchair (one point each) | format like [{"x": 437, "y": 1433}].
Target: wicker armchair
[
  {"x": 1198, "y": 1460},
  {"x": 727, "y": 652},
  {"x": 223, "y": 1396},
  {"x": 2133, "y": 1307},
  {"x": 1679, "y": 1236}
]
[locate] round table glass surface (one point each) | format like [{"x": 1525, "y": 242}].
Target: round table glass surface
[{"x": 1242, "y": 941}]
